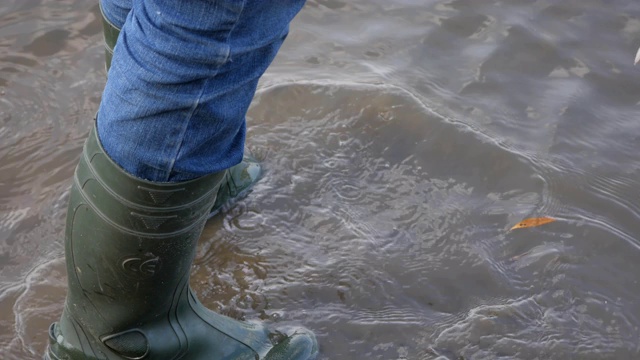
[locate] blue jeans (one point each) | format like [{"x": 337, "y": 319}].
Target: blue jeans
[{"x": 182, "y": 78}]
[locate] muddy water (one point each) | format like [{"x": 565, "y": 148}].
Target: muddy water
[{"x": 402, "y": 139}]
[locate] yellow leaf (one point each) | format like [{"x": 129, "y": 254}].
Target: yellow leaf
[{"x": 531, "y": 222}]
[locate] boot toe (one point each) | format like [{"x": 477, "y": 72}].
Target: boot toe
[
  {"x": 239, "y": 179},
  {"x": 300, "y": 345}
]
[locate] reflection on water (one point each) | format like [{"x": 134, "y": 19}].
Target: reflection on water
[{"x": 401, "y": 141}]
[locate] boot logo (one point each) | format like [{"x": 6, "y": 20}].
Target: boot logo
[
  {"x": 159, "y": 196},
  {"x": 152, "y": 222},
  {"x": 140, "y": 267}
]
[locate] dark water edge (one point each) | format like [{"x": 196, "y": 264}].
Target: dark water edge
[{"x": 402, "y": 139}]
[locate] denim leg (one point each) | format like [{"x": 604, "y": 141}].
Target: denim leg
[
  {"x": 182, "y": 78},
  {"x": 116, "y": 11}
]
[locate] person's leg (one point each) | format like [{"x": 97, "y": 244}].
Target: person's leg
[
  {"x": 239, "y": 178},
  {"x": 116, "y": 11},
  {"x": 174, "y": 105},
  {"x": 171, "y": 120}
]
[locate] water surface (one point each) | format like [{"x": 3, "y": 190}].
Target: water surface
[{"x": 401, "y": 139}]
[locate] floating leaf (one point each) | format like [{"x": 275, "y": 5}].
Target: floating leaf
[{"x": 531, "y": 222}]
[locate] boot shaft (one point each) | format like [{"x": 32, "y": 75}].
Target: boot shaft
[
  {"x": 128, "y": 241},
  {"x": 111, "y": 33}
]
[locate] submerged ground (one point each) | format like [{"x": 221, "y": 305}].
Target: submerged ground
[{"x": 402, "y": 139}]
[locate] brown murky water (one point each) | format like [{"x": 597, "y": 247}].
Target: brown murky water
[{"x": 402, "y": 140}]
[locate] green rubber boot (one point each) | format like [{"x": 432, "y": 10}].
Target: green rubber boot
[
  {"x": 239, "y": 179},
  {"x": 129, "y": 247}
]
